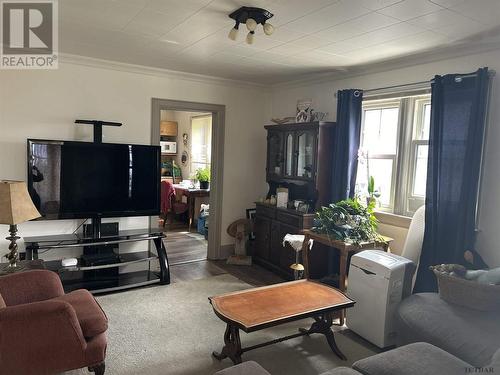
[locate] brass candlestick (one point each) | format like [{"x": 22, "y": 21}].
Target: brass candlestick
[
  {"x": 13, "y": 255},
  {"x": 16, "y": 207}
]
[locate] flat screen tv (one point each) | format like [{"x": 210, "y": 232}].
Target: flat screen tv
[{"x": 76, "y": 180}]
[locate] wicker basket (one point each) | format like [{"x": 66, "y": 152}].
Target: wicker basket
[{"x": 467, "y": 293}]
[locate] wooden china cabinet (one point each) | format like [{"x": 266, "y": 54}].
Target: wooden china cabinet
[{"x": 298, "y": 158}]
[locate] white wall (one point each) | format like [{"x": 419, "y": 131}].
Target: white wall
[
  {"x": 44, "y": 104},
  {"x": 284, "y": 102}
]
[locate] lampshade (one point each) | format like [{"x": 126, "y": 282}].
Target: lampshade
[{"x": 16, "y": 205}]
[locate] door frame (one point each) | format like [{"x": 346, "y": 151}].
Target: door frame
[{"x": 217, "y": 163}]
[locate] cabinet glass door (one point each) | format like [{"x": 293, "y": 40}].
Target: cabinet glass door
[
  {"x": 275, "y": 154},
  {"x": 305, "y": 154},
  {"x": 289, "y": 153}
]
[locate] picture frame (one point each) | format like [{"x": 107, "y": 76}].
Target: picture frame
[{"x": 251, "y": 212}]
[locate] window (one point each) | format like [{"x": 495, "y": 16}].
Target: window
[
  {"x": 394, "y": 145},
  {"x": 201, "y": 142}
]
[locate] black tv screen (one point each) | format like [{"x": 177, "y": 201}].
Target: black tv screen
[{"x": 69, "y": 180}]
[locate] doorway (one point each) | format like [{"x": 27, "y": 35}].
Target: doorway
[{"x": 191, "y": 136}]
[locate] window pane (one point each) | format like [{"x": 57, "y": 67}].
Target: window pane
[
  {"x": 427, "y": 121},
  {"x": 380, "y": 130},
  {"x": 422, "y": 120},
  {"x": 201, "y": 142},
  {"x": 381, "y": 170},
  {"x": 420, "y": 178},
  {"x": 195, "y": 166}
]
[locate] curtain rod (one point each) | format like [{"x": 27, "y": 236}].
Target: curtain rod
[
  {"x": 491, "y": 73},
  {"x": 421, "y": 83}
]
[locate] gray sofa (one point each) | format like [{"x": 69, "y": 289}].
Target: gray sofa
[
  {"x": 471, "y": 335},
  {"x": 414, "y": 359}
]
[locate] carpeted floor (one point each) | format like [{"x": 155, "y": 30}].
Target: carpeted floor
[{"x": 172, "y": 330}]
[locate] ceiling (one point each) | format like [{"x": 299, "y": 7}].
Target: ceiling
[{"x": 311, "y": 36}]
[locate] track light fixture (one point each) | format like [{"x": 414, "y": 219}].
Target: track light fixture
[{"x": 252, "y": 17}]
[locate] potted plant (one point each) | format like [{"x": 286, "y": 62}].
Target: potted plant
[
  {"x": 373, "y": 194},
  {"x": 348, "y": 221},
  {"x": 203, "y": 176}
]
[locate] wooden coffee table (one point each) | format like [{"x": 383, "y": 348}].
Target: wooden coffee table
[{"x": 259, "y": 308}]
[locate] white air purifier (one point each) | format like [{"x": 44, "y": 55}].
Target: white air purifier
[{"x": 378, "y": 281}]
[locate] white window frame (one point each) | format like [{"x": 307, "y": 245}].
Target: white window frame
[
  {"x": 402, "y": 201},
  {"x": 384, "y": 104},
  {"x": 413, "y": 201},
  {"x": 206, "y": 164}
]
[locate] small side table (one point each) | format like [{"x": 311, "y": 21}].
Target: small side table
[
  {"x": 191, "y": 195},
  {"x": 344, "y": 249},
  {"x": 25, "y": 265}
]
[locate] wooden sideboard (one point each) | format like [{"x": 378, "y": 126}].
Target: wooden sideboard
[
  {"x": 271, "y": 225},
  {"x": 298, "y": 158}
]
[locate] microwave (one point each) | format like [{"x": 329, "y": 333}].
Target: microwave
[{"x": 168, "y": 147}]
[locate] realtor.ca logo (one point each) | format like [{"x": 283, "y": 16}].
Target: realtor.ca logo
[{"x": 29, "y": 34}]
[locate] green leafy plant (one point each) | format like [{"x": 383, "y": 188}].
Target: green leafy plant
[
  {"x": 348, "y": 221},
  {"x": 203, "y": 174},
  {"x": 373, "y": 194}
]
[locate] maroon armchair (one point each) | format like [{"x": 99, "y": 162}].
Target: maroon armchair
[{"x": 44, "y": 331}]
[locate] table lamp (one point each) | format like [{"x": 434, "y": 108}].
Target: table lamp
[{"x": 16, "y": 207}]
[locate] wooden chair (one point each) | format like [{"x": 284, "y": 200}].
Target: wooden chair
[{"x": 171, "y": 202}]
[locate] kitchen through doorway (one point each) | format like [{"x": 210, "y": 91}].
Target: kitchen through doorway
[{"x": 185, "y": 141}]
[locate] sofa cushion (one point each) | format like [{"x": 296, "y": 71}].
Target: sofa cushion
[
  {"x": 245, "y": 368},
  {"x": 495, "y": 361},
  {"x": 341, "y": 371},
  {"x": 471, "y": 335},
  {"x": 414, "y": 359},
  {"x": 90, "y": 315}
]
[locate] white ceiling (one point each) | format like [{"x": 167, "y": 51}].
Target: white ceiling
[{"x": 312, "y": 36}]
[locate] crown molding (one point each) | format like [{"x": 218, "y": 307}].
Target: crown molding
[
  {"x": 65, "y": 58},
  {"x": 381, "y": 66}
]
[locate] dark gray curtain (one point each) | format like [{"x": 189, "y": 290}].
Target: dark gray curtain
[
  {"x": 455, "y": 150},
  {"x": 346, "y": 143}
]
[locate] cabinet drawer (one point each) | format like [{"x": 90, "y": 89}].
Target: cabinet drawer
[
  {"x": 293, "y": 220},
  {"x": 262, "y": 230},
  {"x": 269, "y": 212},
  {"x": 168, "y": 128}
]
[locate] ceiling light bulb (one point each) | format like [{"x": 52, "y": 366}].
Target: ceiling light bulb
[
  {"x": 251, "y": 24},
  {"x": 233, "y": 33},
  {"x": 268, "y": 28},
  {"x": 250, "y": 37}
]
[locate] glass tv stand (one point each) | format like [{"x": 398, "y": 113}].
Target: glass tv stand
[{"x": 102, "y": 276}]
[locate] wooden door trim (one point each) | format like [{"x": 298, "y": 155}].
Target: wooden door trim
[{"x": 218, "y": 130}]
